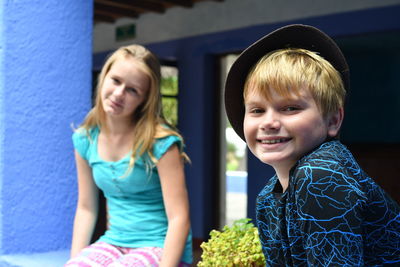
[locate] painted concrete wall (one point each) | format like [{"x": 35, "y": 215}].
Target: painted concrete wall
[
  {"x": 2, "y": 41},
  {"x": 211, "y": 17},
  {"x": 45, "y": 85}
]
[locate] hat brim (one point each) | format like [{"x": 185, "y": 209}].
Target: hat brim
[{"x": 291, "y": 36}]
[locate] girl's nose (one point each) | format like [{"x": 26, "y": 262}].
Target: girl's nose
[
  {"x": 270, "y": 121},
  {"x": 119, "y": 90}
]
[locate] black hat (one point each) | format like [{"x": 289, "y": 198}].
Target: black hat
[{"x": 291, "y": 36}]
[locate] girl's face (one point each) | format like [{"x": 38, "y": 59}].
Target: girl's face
[
  {"x": 279, "y": 132},
  {"x": 124, "y": 88}
]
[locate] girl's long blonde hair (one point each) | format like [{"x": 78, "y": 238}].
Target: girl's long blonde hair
[{"x": 148, "y": 117}]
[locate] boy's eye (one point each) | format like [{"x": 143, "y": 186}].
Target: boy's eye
[
  {"x": 290, "y": 108},
  {"x": 256, "y": 110}
]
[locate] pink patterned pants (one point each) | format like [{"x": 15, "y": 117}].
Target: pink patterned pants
[{"x": 101, "y": 254}]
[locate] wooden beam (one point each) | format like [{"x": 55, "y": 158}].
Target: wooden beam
[
  {"x": 107, "y": 14},
  {"x": 103, "y": 18},
  {"x": 184, "y": 3},
  {"x": 144, "y": 5},
  {"x": 113, "y": 3},
  {"x": 118, "y": 11}
]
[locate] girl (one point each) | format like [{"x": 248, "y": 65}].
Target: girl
[{"x": 126, "y": 148}]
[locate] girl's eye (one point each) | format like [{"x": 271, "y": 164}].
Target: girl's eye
[
  {"x": 132, "y": 90},
  {"x": 115, "y": 80}
]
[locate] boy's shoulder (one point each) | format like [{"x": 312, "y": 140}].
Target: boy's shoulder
[
  {"x": 330, "y": 162},
  {"x": 333, "y": 151},
  {"x": 331, "y": 156}
]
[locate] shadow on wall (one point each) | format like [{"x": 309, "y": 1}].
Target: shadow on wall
[{"x": 372, "y": 108}]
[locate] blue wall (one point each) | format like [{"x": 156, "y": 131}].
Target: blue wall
[
  {"x": 2, "y": 43},
  {"x": 372, "y": 111},
  {"x": 45, "y": 81}
]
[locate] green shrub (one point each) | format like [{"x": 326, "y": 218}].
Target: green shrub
[{"x": 237, "y": 245}]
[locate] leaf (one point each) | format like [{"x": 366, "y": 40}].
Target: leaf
[{"x": 237, "y": 245}]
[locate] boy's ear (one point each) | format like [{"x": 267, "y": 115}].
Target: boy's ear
[{"x": 335, "y": 122}]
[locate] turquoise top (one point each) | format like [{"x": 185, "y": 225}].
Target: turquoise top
[{"x": 135, "y": 204}]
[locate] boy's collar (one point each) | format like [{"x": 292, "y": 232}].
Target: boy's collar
[{"x": 329, "y": 141}]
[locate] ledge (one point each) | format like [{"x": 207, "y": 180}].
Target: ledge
[{"x": 48, "y": 259}]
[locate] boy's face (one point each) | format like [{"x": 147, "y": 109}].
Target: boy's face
[{"x": 279, "y": 132}]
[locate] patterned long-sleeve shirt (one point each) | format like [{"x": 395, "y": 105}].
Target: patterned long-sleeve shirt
[{"x": 332, "y": 214}]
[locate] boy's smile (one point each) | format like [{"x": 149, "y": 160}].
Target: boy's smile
[{"x": 280, "y": 131}]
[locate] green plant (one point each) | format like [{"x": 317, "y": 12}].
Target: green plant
[{"x": 235, "y": 246}]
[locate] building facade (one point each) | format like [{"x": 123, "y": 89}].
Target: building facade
[{"x": 47, "y": 56}]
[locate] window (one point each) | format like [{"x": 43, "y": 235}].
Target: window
[{"x": 169, "y": 93}]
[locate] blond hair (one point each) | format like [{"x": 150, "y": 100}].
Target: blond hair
[
  {"x": 288, "y": 70},
  {"x": 148, "y": 117}
]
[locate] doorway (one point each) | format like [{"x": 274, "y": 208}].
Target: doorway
[{"x": 233, "y": 160}]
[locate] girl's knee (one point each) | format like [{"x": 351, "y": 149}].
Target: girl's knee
[
  {"x": 97, "y": 254},
  {"x": 138, "y": 257}
]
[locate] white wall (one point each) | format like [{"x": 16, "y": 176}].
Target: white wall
[{"x": 210, "y": 16}]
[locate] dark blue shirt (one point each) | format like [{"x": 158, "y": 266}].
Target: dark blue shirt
[{"x": 332, "y": 214}]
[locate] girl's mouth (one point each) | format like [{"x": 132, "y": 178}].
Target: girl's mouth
[{"x": 117, "y": 104}]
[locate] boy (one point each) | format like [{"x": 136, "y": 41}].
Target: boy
[{"x": 284, "y": 96}]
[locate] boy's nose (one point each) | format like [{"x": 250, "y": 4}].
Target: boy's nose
[{"x": 270, "y": 122}]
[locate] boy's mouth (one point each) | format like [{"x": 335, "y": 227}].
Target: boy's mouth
[{"x": 274, "y": 141}]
